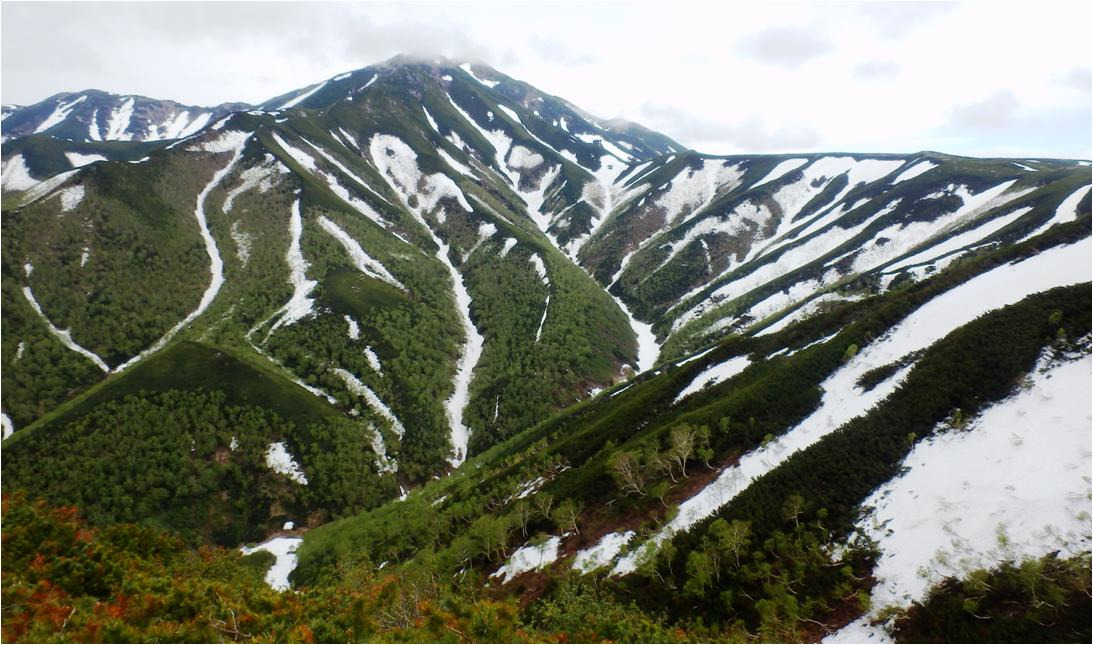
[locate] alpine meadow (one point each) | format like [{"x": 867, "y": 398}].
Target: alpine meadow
[{"x": 422, "y": 353}]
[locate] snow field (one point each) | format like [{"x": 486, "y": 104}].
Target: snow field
[{"x": 1011, "y": 485}]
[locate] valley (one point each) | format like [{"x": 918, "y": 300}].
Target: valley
[{"x": 440, "y": 356}]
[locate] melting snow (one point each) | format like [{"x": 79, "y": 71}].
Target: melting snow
[
  {"x": 779, "y": 171},
  {"x": 64, "y": 335},
  {"x": 284, "y": 550},
  {"x": 243, "y": 241},
  {"x": 373, "y": 360},
  {"x": 917, "y": 169},
  {"x": 713, "y": 375},
  {"x": 364, "y": 262},
  {"x": 354, "y": 328},
  {"x": 843, "y": 400},
  {"x": 509, "y": 243},
  {"x": 397, "y": 163},
  {"x": 301, "y": 97},
  {"x": 299, "y": 305},
  {"x": 360, "y": 389},
  {"x": 280, "y": 461},
  {"x": 59, "y": 114},
  {"x": 1066, "y": 212},
  {"x": 71, "y": 197},
  {"x": 119, "y": 121},
  {"x": 529, "y": 558},
  {"x": 602, "y": 553},
  {"x": 79, "y": 160},
  {"x": 8, "y": 426},
  {"x": 15, "y": 174},
  {"x": 1011, "y": 485}
]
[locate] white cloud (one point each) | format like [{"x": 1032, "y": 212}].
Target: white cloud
[{"x": 887, "y": 77}]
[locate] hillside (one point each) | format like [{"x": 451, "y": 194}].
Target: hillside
[{"x": 426, "y": 319}]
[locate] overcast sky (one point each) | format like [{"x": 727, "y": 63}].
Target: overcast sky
[{"x": 982, "y": 79}]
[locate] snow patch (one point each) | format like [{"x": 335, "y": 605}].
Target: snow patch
[
  {"x": 60, "y": 113},
  {"x": 79, "y": 160},
  {"x": 119, "y": 122},
  {"x": 279, "y": 460},
  {"x": 71, "y": 197},
  {"x": 529, "y": 558},
  {"x": 284, "y": 552},
  {"x": 302, "y": 97}
]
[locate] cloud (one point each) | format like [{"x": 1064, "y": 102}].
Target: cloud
[
  {"x": 876, "y": 69},
  {"x": 996, "y": 112},
  {"x": 707, "y": 135},
  {"x": 898, "y": 18},
  {"x": 787, "y": 47},
  {"x": 555, "y": 52},
  {"x": 1079, "y": 79}
]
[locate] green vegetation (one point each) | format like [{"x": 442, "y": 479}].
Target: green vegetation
[{"x": 1042, "y": 600}]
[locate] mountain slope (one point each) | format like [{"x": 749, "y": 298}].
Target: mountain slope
[{"x": 657, "y": 362}]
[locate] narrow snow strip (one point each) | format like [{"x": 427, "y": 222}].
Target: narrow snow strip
[
  {"x": 546, "y": 308},
  {"x": 349, "y": 173},
  {"x": 456, "y": 165},
  {"x": 279, "y": 460},
  {"x": 917, "y": 169},
  {"x": 648, "y": 347},
  {"x": 78, "y": 159},
  {"x": 302, "y": 97},
  {"x": 529, "y": 558},
  {"x": 843, "y": 400},
  {"x": 713, "y": 375},
  {"x": 299, "y": 305},
  {"x": 364, "y": 262},
  {"x": 373, "y": 360},
  {"x": 284, "y": 550},
  {"x": 695, "y": 357},
  {"x": 8, "y": 426},
  {"x": 781, "y": 170},
  {"x": 397, "y": 163},
  {"x": 64, "y": 335},
  {"x": 1066, "y": 212},
  {"x": 509, "y": 243},
  {"x": 432, "y": 121},
  {"x": 360, "y": 389},
  {"x": 602, "y": 553},
  {"x": 216, "y": 263}
]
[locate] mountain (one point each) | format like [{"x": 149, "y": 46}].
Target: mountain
[
  {"x": 428, "y": 316},
  {"x": 93, "y": 115}
]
